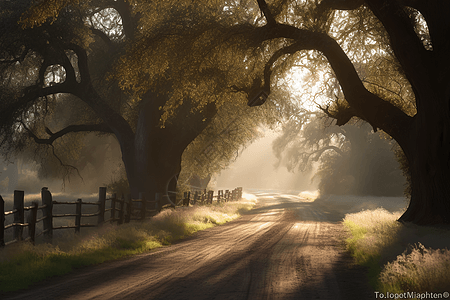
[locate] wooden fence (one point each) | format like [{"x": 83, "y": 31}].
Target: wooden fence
[
  {"x": 207, "y": 197},
  {"x": 121, "y": 210}
]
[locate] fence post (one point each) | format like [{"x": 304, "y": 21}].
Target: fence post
[
  {"x": 227, "y": 195},
  {"x": 203, "y": 196},
  {"x": 2, "y": 222},
  {"x": 158, "y": 197},
  {"x": 210, "y": 196},
  {"x": 113, "y": 207},
  {"x": 32, "y": 222},
  {"x": 46, "y": 197},
  {"x": 18, "y": 215},
  {"x": 101, "y": 207},
  {"x": 78, "y": 216},
  {"x": 121, "y": 211},
  {"x": 143, "y": 205},
  {"x": 129, "y": 209},
  {"x": 195, "y": 197},
  {"x": 186, "y": 198}
]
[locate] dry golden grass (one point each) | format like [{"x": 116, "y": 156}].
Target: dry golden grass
[{"x": 401, "y": 257}]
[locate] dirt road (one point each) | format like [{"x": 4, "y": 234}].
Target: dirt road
[{"x": 286, "y": 248}]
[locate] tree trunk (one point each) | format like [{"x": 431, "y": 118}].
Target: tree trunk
[
  {"x": 158, "y": 151},
  {"x": 428, "y": 157},
  {"x": 430, "y": 194}
]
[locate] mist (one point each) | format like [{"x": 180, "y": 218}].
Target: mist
[
  {"x": 98, "y": 164},
  {"x": 255, "y": 169}
]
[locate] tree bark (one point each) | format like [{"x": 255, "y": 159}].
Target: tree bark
[
  {"x": 158, "y": 150},
  {"x": 428, "y": 156}
]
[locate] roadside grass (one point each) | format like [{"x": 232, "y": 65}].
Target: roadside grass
[
  {"x": 400, "y": 257},
  {"x": 23, "y": 264}
]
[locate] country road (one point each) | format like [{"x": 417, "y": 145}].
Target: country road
[{"x": 286, "y": 248}]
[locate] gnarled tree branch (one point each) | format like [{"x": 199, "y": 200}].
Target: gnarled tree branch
[
  {"x": 118, "y": 125},
  {"x": 31, "y": 94},
  {"x": 101, "y": 127},
  {"x": 378, "y": 112},
  {"x": 342, "y": 116}
]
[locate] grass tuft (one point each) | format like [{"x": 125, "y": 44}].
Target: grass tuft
[
  {"x": 23, "y": 264},
  {"x": 418, "y": 269},
  {"x": 395, "y": 253}
]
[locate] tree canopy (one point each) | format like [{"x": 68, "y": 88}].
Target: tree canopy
[{"x": 112, "y": 67}]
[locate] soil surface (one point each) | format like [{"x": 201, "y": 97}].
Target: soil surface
[{"x": 285, "y": 248}]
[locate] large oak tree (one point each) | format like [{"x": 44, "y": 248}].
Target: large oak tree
[
  {"x": 113, "y": 67},
  {"x": 410, "y": 38},
  {"x": 66, "y": 59}
]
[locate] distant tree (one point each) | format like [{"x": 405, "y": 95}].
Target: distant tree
[
  {"x": 351, "y": 159},
  {"x": 9, "y": 170}
]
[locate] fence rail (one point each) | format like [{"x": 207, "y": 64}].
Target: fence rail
[{"x": 121, "y": 211}]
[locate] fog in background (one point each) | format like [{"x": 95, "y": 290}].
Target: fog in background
[
  {"x": 254, "y": 169},
  {"x": 99, "y": 163}
]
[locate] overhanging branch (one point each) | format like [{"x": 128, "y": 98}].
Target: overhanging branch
[
  {"x": 31, "y": 94},
  {"x": 102, "y": 127},
  {"x": 371, "y": 108}
]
